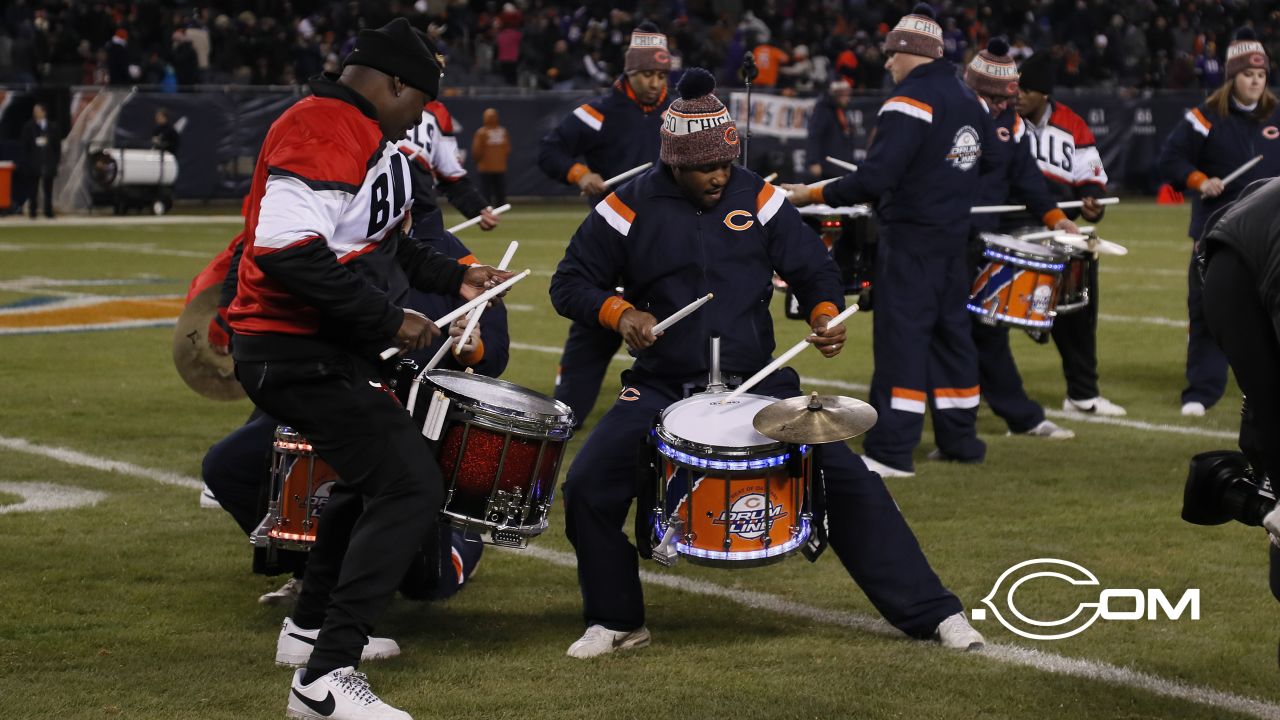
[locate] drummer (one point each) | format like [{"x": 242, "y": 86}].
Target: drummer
[
  {"x": 994, "y": 77},
  {"x": 236, "y": 467},
  {"x": 694, "y": 224}
]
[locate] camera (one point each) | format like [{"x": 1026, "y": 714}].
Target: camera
[{"x": 1222, "y": 486}]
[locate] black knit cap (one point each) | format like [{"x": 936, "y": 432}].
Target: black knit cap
[
  {"x": 397, "y": 50},
  {"x": 1037, "y": 74}
]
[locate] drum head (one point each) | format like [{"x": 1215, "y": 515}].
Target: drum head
[
  {"x": 502, "y": 397},
  {"x": 1019, "y": 248},
  {"x": 706, "y": 420}
]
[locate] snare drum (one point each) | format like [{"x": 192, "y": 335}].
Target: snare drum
[
  {"x": 1017, "y": 284},
  {"x": 727, "y": 496},
  {"x": 499, "y": 450},
  {"x": 300, "y": 485}
]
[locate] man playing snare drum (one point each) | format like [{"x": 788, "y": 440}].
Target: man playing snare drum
[{"x": 692, "y": 225}]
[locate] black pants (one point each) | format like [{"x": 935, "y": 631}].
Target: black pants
[
  {"x": 1076, "y": 335},
  {"x": 1206, "y": 365},
  {"x": 494, "y": 187},
  {"x": 1238, "y": 320},
  {"x": 34, "y": 186},
  {"x": 378, "y": 513}
]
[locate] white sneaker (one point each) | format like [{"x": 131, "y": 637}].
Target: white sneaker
[
  {"x": 294, "y": 646},
  {"x": 1047, "y": 429},
  {"x": 1094, "y": 406},
  {"x": 286, "y": 595},
  {"x": 343, "y": 694},
  {"x": 955, "y": 633},
  {"x": 599, "y": 640},
  {"x": 883, "y": 470},
  {"x": 207, "y": 500},
  {"x": 1193, "y": 409}
]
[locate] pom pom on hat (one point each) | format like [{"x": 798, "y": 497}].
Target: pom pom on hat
[
  {"x": 647, "y": 27},
  {"x": 696, "y": 83},
  {"x": 925, "y": 10},
  {"x": 1245, "y": 33},
  {"x": 998, "y": 46}
]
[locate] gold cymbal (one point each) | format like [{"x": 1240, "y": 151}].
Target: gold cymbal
[
  {"x": 815, "y": 419},
  {"x": 203, "y": 370}
]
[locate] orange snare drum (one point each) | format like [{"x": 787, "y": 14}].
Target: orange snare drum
[
  {"x": 1018, "y": 284},
  {"x": 727, "y": 495},
  {"x": 300, "y": 485}
]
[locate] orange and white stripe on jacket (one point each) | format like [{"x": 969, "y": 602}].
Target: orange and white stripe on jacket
[
  {"x": 589, "y": 116},
  {"x": 1198, "y": 121},
  {"x": 616, "y": 213},
  {"x": 768, "y": 202},
  {"x": 908, "y": 106}
]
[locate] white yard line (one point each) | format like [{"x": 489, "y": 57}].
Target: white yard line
[
  {"x": 80, "y": 300},
  {"x": 119, "y": 325},
  {"x": 1142, "y": 320},
  {"x": 15, "y": 223},
  {"x": 1009, "y": 654},
  {"x": 39, "y": 497}
]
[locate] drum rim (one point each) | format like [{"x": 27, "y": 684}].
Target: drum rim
[
  {"x": 551, "y": 423},
  {"x": 773, "y": 448}
]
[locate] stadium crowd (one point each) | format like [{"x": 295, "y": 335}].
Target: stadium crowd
[{"x": 542, "y": 44}]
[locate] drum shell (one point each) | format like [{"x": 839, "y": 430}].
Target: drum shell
[
  {"x": 300, "y": 485},
  {"x": 1016, "y": 288},
  {"x": 1075, "y": 290}
]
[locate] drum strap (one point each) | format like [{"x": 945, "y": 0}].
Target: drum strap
[
  {"x": 647, "y": 481},
  {"x": 817, "y": 541}
]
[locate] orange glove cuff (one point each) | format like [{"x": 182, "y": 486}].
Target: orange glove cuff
[
  {"x": 1196, "y": 179},
  {"x": 1053, "y": 217},
  {"x": 611, "y": 312},
  {"x": 576, "y": 172},
  {"x": 823, "y": 308}
]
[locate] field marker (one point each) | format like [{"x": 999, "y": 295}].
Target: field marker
[
  {"x": 90, "y": 327},
  {"x": 40, "y": 497},
  {"x": 1009, "y": 654}
]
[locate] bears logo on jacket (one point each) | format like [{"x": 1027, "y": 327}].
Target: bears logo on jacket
[{"x": 731, "y": 220}]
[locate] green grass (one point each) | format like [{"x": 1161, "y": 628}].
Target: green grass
[{"x": 143, "y": 606}]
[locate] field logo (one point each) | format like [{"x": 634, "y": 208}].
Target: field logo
[{"x": 1112, "y": 604}]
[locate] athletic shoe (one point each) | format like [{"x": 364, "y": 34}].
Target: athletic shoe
[
  {"x": 599, "y": 640},
  {"x": 294, "y": 646},
  {"x": 883, "y": 470},
  {"x": 1193, "y": 409},
  {"x": 1046, "y": 429},
  {"x": 207, "y": 500},
  {"x": 937, "y": 454},
  {"x": 1094, "y": 406},
  {"x": 955, "y": 633},
  {"x": 286, "y": 595},
  {"x": 343, "y": 694}
]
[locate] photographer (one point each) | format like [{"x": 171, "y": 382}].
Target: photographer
[{"x": 1242, "y": 311}]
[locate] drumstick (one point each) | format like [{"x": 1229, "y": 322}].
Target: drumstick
[
  {"x": 770, "y": 177},
  {"x": 1049, "y": 234},
  {"x": 414, "y": 147},
  {"x": 474, "y": 318},
  {"x": 785, "y": 357},
  {"x": 464, "y": 309},
  {"x": 1241, "y": 170},
  {"x": 628, "y": 174},
  {"x": 476, "y": 220},
  {"x": 989, "y": 209},
  {"x": 682, "y": 313},
  {"x": 841, "y": 163}
]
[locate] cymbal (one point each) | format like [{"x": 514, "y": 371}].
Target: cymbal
[
  {"x": 203, "y": 370},
  {"x": 815, "y": 419}
]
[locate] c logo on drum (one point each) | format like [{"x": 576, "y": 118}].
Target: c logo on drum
[
  {"x": 730, "y": 220},
  {"x": 1003, "y": 134},
  {"x": 1271, "y": 132},
  {"x": 629, "y": 394}
]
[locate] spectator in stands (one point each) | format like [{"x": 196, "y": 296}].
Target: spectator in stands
[
  {"x": 769, "y": 60},
  {"x": 508, "y": 41},
  {"x": 120, "y": 64},
  {"x": 164, "y": 137},
  {"x": 490, "y": 148}
]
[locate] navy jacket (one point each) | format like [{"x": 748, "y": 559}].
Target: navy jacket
[
  {"x": 612, "y": 133},
  {"x": 1205, "y": 144},
  {"x": 924, "y": 162},
  {"x": 830, "y": 132},
  {"x": 1251, "y": 227},
  {"x": 1013, "y": 175},
  {"x": 667, "y": 253}
]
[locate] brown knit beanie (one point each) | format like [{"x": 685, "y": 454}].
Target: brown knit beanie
[
  {"x": 697, "y": 129},
  {"x": 1246, "y": 52},
  {"x": 918, "y": 34},
  {"x": 992, "y": 71},
  {"x": 648, "y": 50}
]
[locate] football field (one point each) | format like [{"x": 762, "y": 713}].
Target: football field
[{"x": 121, "y": 598}]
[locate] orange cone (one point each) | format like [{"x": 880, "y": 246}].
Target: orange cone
[{"x": 1168, "y": 196}]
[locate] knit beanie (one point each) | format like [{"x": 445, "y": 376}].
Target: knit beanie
[
  {"x": 697, "y": 129},
  {"x": 1245, "y": 52},
  {"x": 648, "y": 50},
  {"x": 1037, "y": 74},
  {"x": 992, "y": 71},
  {"x": 918, "y": 34},
  {"x": 398, "y": 50}
]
